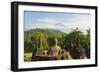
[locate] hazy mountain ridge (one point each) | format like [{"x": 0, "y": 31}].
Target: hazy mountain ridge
[{"x": 47, "y": 32}]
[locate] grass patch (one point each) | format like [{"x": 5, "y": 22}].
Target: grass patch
[{"x": 27, "y": 56}]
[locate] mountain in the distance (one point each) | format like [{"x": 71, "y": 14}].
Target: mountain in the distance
[{"x": 47, "y": 32}]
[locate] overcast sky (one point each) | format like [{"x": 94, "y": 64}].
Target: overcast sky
[{"x": 64, "y": 22}]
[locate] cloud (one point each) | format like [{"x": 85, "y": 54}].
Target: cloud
[
  {"x": 60, "y": 24},
  {"x": 49, "y": 20},
  {"x": 63, "y": 24}
]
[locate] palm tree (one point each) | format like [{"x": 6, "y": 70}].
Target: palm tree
[{"x": 40, "y": 39}]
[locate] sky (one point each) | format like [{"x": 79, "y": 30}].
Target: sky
[{"x": 64, "y": 22}]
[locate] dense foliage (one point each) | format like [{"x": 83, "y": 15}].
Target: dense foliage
[{"x": 42, "y": 38}]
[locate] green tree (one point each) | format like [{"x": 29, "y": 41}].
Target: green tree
[
  {"x": 75, "y": 37},
  {"x": 39, "y": 40}
]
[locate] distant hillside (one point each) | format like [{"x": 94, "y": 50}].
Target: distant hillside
[{"x": 47, "y": 32}]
